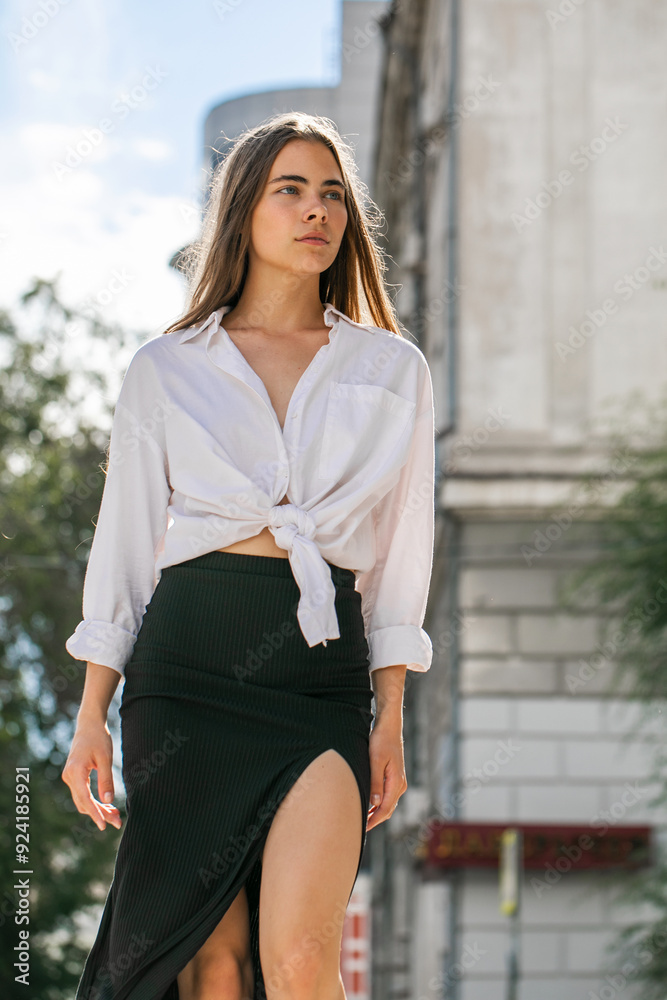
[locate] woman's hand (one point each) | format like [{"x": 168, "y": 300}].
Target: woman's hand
[
  {"x": 92, "y": 749},
  {"x": 388, "y": 780}
]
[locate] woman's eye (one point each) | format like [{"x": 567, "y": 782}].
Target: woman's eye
[{"x": 292, "y": 188}]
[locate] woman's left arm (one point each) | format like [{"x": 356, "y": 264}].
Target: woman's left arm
[
  {"x": 393, "y": 602},
  {"x": 394, "y": 591},
  {"x": 388, "y": 781}
]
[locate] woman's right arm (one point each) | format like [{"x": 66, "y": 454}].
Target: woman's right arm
[
  {"x": 132, "y": 521},
  {"x": 120, "y": 578},
  {"x": 98, "y": 690},
  {"x": 92, "y": 747}
]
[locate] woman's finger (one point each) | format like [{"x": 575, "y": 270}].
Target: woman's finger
[
  {"x": 77, "y": 776},
  {"x": 390, "y": 786},
  {"x": 380, "y": 814},
  {"x": 110, "y": 813}
]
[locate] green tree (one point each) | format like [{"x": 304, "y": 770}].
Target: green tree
[
  {"x": 52, "y": 458},
  {"x": 628, "y": 579}
]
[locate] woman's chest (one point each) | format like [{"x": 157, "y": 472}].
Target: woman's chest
[
  {"x": 279, "y": 363},
  {"x": 335, "y": 431}
]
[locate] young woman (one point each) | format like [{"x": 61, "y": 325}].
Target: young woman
[{"x": 259, "y": 571}]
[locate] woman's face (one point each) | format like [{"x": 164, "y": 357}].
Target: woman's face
[{"x": 304, "y": 193}]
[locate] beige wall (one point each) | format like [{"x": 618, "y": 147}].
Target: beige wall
[
  {"x": 580, "y": 98},
  {"x": 557, "y": 151}
]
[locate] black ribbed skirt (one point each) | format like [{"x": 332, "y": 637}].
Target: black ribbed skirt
[{"x": 224, "y": 705}]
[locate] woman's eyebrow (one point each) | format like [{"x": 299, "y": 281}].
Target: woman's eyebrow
[{"x": 302, "y": 180}]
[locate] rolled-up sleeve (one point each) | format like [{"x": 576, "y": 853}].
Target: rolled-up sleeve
[
  {"x": 395, "y": 591},
  {"x": 132, "y": 520}
]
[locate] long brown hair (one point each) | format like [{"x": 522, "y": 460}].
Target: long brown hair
[{"x": 217, "y": 264}]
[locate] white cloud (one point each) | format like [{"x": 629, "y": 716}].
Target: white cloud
[
  {"x": 48, "y": 83},
  {"x": 112, "y": 247},
  {"x": 42, "y": 144},
  {"x": 153, "y": 149}
]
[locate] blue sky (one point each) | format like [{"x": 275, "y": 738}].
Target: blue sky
[{"x": 110, "y": 222}]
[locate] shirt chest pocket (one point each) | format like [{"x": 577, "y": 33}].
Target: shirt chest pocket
[{"x": 367, "y": 431}]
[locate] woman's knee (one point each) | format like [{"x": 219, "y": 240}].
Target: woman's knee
[
  {"x": 302, "y": 969},
  {"x": 223, "y": 960},
  {"x": 211, "y": 976}
]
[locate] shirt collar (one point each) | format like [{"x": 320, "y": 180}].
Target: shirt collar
[{"x": 214, "y": 321}]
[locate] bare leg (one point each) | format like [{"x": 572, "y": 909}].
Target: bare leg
[{"x": 308, "y": 867}]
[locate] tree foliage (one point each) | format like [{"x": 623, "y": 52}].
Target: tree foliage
[{"x": 52, "y": 457}]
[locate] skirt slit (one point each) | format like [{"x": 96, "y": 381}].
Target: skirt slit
[{"x": 223, "y": 707}]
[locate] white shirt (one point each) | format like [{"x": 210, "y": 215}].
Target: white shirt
[{"x": 197, "y": 461}]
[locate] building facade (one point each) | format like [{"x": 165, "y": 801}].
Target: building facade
[{"x": 518, "y": 166}]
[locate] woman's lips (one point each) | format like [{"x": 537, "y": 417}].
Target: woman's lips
[{"x": 315, "y": 242}]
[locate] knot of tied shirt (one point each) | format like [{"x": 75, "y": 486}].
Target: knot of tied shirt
[{"x": 294, "y": 530}]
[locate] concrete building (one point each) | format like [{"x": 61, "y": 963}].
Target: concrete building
[
  {"x": 518, "y": 165},
  {"x": 351, "y": 104}
]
